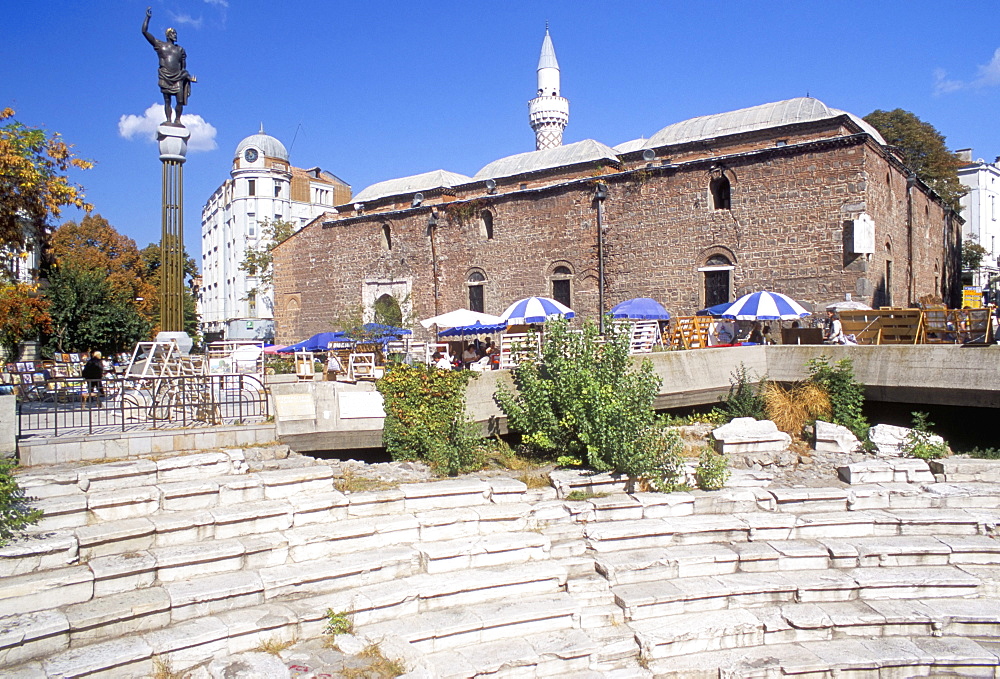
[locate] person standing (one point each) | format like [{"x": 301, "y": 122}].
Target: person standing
[{"x": 93, "y": 373}]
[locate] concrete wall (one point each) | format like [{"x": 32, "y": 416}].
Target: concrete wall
[{"x": 8, "y": 425}]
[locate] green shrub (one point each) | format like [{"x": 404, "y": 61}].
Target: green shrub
[
  {"x": 425, "y": 418},
  {"x": 338, "y": 622},
  {"x": 669, "y": 473},
  {"x": 712, "y": 471},
  {"x": 15, "y": 514},
  {"x": 919, "y": 441},
  {"x": 985, "y": 453},
  {"x": 583, "y": 399},
  {"x": 847, "y": 395},
  {"x": 745, "y": 398}
]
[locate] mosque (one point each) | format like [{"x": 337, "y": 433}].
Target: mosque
[{"x": 791, "y": 196}]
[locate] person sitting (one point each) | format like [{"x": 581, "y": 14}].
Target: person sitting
[
  {"x": 837, "y": 335},
  {"x": 470, "y": 355},
  {"x": 93, "y": 373},
  {"x": 440, "y": 361},
  {"x": 756, "y": 336}
]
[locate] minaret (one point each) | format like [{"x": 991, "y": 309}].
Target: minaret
[{"x": 548, "y": 113}]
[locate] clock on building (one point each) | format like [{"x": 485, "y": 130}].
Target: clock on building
[{"x": 250, "y": 155}]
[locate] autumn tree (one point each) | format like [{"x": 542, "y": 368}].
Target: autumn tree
[
  {"x": 33, "y": 186},
  {"x": 258, "y": 262},
  {"x": 94, "y": 245},
  {"x": 924, "y": 151},
  {"x": 23, "y": 315},
  {"x": 151, "y": 257}
]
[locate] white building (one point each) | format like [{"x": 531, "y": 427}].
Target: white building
[
  {"x": 981, "y": 210},
  {"x": 263, "y": 186}
]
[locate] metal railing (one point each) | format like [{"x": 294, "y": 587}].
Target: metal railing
[{"x": 70, "y": 406}]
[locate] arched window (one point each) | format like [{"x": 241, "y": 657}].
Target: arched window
[
  {"x": 718, "y": 279},
  {"x": 562, "y": 285},
  {"x": 387, "y": 311},
  {"x": 887, "y": 297},
  {"x": 386, "y": 237},
  {"x": 486, "y": 225},
  {"x": 721, "y": 192},
  {"x": 477, "y": 288}
]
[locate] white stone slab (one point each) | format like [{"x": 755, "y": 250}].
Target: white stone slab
[
  {"x": 288, "y": 407},
  {"x": 835, "y": 438},
  {"x": 212, "y": 594},
  {"x": 662, "y": 505},
  {"x": 361, "y": 404},
  {"x": 61, "y": 511},
  {"x": 630, "y": 534},
  {"x": 30, "y": 636},
  {"x": 124, "y": 657},
  {"x": 503, "y": 489},
  {"x": 337, "y": 572},
  {"x": 445, "y": 494},
  {"x": 189, "y": 495},
  {"x": 698, "y": 633},
  {"x": 117, "y": 573},
  {"x": 249, "y": 518},
  {"x": 237, "y": 489},
  {"x": 118, "y": 615},
  {"x": 35, "y": 552},
  {"x": 123, "y": 503},
  {"x": 189, "y": 644},
  {"x": 193, "y": 467},
  {"x": 180, "y": 562},
  {"x": 126, "y": 535},
  {"x": 248, "y": 628},
  {"x": 744, "y": 435},
  {"x": 284, "y": 483},
  {"x": 319, "y": 507},
  {"x": 375, "y": 502},
  {"x": 177, "y": 528},
  {"x": 125, "y": 474}
]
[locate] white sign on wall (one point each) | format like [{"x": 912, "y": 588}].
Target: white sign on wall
[{"x": 863, "y": 239}]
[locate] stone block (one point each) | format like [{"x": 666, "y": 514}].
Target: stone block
[
  {"x": 177, "y": 528},
  {"x": 139, "y": 444},
  {"x": 192, "y": 467},
  {"x": 249, "y": 518},
  {"x": 264, "y": 551},
  {"x": 834, "y": 438},
  {"x": 210, "y": 594},
  {"x": 115, "y": 537},
  {"x": 963, "y": 470},
  {"x": 49, "y": 483},
  {"x": 566, "y": 481},
  {"x": 189, "y": 495},
  {"x": 483, "y": 551},
  {"x": 937, "y": 523},
  {"x": 284, "y": 483},
  {"x": 250, "y": 664},
  {"x": 187, "y": 645},
  {"x": 504, "y": 490},
  {"x": 237, "y": 489},
  {"x": 697, "y": 633},
  {"x": 123, "y": 503},
  {"x": 971, "y": 549},
  {"x": 118, "y": 615},
  {"x": 181, "y": 562},
  {"x": 769, "y": 526},
  {"x": 448, "y": 524},
  {"x": 33, "y": 552},
  {"x": 704, "y": 529},
  {"x": 320, "y": 540},
  {"x": 616, "y": 507},
  {"x": 506, "y": 516},
  {"x": 910, "y": 470},
  {"x": 629, "y": 534},
  {"x": 662, "y": 505},
  {"x": 745, "y": 435},
  {"x": 914, "y": 582},
  {"x": 809, "y": 499},
  {"x": 248, "y": 628},
  {"x": 857, "y": 524},
  {"x": 31, "y": 636},
  {"x": 62, "y": 511},
  {"x": 322, "y": 507},
  {"x": 375, "y": 503},
  {"x": 128, "y": 656},
  {"x": 115, "y": 475},
  {"x": 419, "y": 497},
  {"x": 338, "y": 572},
  {"x": 46, "y": 589},
  {"x": 118, "y": 573}
]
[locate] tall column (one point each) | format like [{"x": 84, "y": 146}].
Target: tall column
[{"x": 173, "y": 140}]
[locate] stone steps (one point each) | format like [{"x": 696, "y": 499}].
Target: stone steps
[
  {"x": 860, "y": 657},
  {"x": 687, "y": 633}
]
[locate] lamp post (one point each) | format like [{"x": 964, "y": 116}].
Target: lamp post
[{"x": 600, "y": 193}]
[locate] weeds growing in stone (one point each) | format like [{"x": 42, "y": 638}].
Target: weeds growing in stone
[
  {"x": 712, "y": 471},
  {"x": 274, "y": 645},
  {"x": 920, "y": 441},
  {"x": 338, "y": 622}
]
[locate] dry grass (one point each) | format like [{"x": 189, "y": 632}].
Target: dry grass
[
  {"x": 161, "y": 669},
  {"x": 790, "y": 409},
  {"x": 378, "y": 667},
  {"x": 536, "y": 480},
  {"x": 352, "y": 483},
  {"x": 274, "y": 646}
]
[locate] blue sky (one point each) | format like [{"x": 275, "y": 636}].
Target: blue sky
[{"x": 376, "y": 90}]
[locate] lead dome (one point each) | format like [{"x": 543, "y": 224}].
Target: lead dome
[{"x": 265, "y": 143}]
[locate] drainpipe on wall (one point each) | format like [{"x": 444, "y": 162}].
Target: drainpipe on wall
[
  {"x": 431, "y": 229},
  {"x": 600, "y": 193},
  {"x": 911, "y": 181}
]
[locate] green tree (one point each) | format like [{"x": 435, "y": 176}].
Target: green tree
[
  {"x": 924, "y": 151},
  {"x": 972, "y": 254},
  {"x": 88, "y": 313},
  {"x": 33, "y": 186},
  {"x": 584, "y": 400},
  {"x": 258, "y": 262},
  {"x": 151, "y": 260}
]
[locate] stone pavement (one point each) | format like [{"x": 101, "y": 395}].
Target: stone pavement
[{"x": 192, "y": 562}]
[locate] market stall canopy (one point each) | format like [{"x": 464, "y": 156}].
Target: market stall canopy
[
  {"x": 317, "y": 342},
  {"x": 461, "y": 317},
  {"x": 476, "y": 328},
  {"x": 273, "y": 349},
  {"x": 765, "y": 306},
  {"x": 535, "y": 310},
  {"x": 848, "y": 304},
  {"x": 640, "y": 309}
]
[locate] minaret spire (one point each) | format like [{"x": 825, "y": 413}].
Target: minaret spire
[{"x": 548, "y": 112}]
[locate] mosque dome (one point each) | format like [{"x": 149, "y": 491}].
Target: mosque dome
[{"x": 265, "y": 143}]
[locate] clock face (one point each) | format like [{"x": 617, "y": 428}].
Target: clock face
[{"x": 250, "y": 155}]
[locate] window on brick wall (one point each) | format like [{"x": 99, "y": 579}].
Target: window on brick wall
[
  {"x": 386, "y": 237},
  {"x": 477, "y": 291},
  {"x": 721, "y": 193},
  {"x": 486, "y": 225},
  {"x": 562, "y": 285},
  {"x": 717, "y": 281}
]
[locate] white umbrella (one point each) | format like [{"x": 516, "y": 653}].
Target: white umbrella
[
  {"x": 848, "y": 304},
  {"x": 460, "y": 318}
]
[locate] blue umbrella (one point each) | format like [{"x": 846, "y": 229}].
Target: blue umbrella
[
  {"x": 317, "y": 342},
  {"x": 476, "y": 328},
  {"x": 535, "y": 310},
  {"x": 640, "y": 309},
  {"x": 716, "y": 310},
  {"x": 765, "y": 306}
]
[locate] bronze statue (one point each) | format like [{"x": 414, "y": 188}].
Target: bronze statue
[{"x": 175, "y": 81}]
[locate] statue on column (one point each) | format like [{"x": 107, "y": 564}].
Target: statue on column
[{"x": 175, "y": 81}]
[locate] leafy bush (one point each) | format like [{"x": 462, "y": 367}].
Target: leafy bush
[
  {"x": 919, "y": 441},
  {"x": 338, "y": 622},
  {"x": 846, "y": 394},
  {"x": 584, "y": 400},
  {"x": 712, "y": 471},
  {"x": 425, "y": 418},
  {"x": 745, "y": 398},
  {"x": 985, "y": 453},
  {"x": 668, "y": 473},
  {"x": 15, "y": 514}
]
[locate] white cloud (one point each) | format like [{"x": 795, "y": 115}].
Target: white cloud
[
  {"x": 220, "y": 3},
  {"x": 988, "y": 75},
  {"x": 144, "y": 127},
  {"x": 186, "y": 20}
]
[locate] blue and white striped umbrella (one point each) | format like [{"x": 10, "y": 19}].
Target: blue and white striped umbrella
[
  {"x": 535, "y": 310},
  {"x": 765, "y": 306}
]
